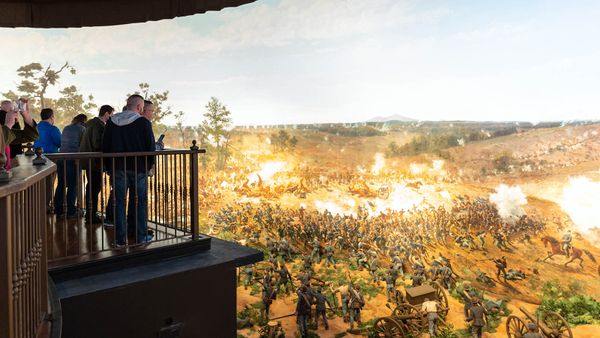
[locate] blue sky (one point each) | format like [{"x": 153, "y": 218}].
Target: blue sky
[{"x": 302, "y": 61}]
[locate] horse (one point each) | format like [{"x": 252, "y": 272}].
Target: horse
[{"x": 556, "y": 249}]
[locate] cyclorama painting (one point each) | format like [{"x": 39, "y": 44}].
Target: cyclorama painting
[{"x": 399, "y": 183}]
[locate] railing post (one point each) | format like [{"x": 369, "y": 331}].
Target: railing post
[
  {"x": 194, "y": 191},
  {"x": 6, "y": 268}
]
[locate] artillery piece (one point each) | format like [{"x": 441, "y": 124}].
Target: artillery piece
[
  {"x": 552, "y": 325},
  {"x": 407, "y": 319}
]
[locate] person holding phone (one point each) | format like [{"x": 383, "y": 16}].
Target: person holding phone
[{"x": 9, "y": 116}]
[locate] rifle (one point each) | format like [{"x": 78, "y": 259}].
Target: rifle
[{"x": 284, "y": 316}]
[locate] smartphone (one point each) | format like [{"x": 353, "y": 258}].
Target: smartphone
[{"x": 161, "y": 138}]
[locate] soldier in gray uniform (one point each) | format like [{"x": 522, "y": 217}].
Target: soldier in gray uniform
[
  {"x": 355, "y": 305},
  {"x": 373, "y": 267},
  {"x": 248, "y": 275},
  {"x": 329, "y": 255},
  {"x": 532, "y": 331},
  {"x": 316, "y": 252},
  {"x": 390, "y": 285}
]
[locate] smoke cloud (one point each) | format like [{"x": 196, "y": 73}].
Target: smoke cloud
[
  {"x": 581, "y": 200},
  {"x": 509, "y": 201}
]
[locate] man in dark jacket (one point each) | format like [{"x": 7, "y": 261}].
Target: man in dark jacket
[
  {"x": 92, "y": 142},
  {"x": 129, "y": 132}
]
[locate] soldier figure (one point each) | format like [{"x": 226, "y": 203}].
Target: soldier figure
[
  {"x": 398, "y": 264},
  {"x": 303, "y": 310},
  {"x": 532, "y": 331},
  {"x": 477, "y": 315},
  {"x": 320, "y": 310},
  {"x": 567, "y": 246},
  {"x": 284, "y": 279},
  {"x": 268, "y": 294},
  {"x": 390, "y": 284},
  {"x": 329, "y": 255},
  {"x": 355, "y": 305},
  {"x": 248, "y": 275},
  {"x": 481, "y": 238},
  {"x": 501, "y": 266},
  {"x": 373, "y": 267},
  {"x": 469, "y": 293},
  {"x": 430, "y": 308},
  {"x": 316, "y": 252},
  {"x": 361, "y": 260},
  {"x": 418, "y": 266}
]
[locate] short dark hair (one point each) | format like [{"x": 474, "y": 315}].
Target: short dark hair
[
  {"x": 80, "y": 118},
  {"x": 46, "y": 113},
  {"x": 105, "y": 109}
]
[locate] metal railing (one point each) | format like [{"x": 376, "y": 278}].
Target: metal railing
[
  {"x": 23, "y": 260},
  {"x": 158, "y": 191}
]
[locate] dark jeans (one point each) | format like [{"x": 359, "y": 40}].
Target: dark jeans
[
  {"x": 131, "y": 180},
  {"x": 93, "y": 187},
  {"x": 68, "y": 168}
]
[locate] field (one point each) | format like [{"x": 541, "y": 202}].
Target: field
[{"x": 549, "y": 173}]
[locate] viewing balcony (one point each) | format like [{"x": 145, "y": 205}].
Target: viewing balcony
[{"x": 75, "y": 275}]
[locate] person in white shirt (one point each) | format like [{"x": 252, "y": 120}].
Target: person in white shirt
[{"x": 430, "y": 308}]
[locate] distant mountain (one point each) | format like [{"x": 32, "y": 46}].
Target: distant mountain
[{"x": 394, "y": 117}]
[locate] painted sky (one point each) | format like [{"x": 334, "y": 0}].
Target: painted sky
[{"x": 304, "y": 61}]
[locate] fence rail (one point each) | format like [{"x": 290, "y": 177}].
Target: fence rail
[
  {"x": 23, "y": 260},
  {"x": 157, "y": 190}
]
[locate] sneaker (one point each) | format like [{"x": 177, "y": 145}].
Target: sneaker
[
  {"x": 96, "y": 220},
  {"x": 118, "y": 245},
  {"x": 145, "y": 239},
  {"x": 108, "y": 224}
]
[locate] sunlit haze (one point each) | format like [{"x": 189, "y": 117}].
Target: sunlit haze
[{"x": 291, "y": 61}]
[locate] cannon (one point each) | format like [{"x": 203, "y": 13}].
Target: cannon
[
  {"x": 552, "y": 325},
  {"x": 407, "y": 318}
]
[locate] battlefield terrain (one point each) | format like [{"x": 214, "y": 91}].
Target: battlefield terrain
[{"x": 471, "y": 192}]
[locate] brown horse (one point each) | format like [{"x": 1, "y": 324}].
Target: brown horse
[{"x": 557, "y": 249}]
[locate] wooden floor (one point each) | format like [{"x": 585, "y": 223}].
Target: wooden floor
[{"x": 71, "y": 238}]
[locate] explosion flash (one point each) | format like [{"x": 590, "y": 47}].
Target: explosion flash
[
  {"x": 510, "y": 202},
  {"x": 267, "y": 171},
  {"x": 581, "y": 200}
]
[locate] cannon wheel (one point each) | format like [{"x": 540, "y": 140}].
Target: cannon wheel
[
  {"x": 415, "y": 325},
  {"x": 559, "y": 326},
  {"x": 515, "y": 327},
  {"x": 441, "y": 297},
  {"x": 388, "y": 327}
]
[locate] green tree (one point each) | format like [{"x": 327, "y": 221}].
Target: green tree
[
  {"x": 214, "y": 131},
  {"x": 180, "y": 127},
  {"x": 282, "y": 141},
  {"x": 71, "y": 103},
  {"x": 35, "y": 81},
  {"x": 159, "y": 99}
]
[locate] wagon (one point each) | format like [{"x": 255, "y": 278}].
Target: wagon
[
  {"x": 407, "y": 318},
  {"x": 551, "y": 324}
]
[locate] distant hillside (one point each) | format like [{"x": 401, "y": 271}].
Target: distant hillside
[{"x": 394, "y": 117}]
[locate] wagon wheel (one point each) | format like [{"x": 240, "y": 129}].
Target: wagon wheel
[
  {"x": 441, "y": 297},
  {"x": 389, "y": 328},
  {"x": 558, "y": 325},
  {"x": 515, "y": 327},
  {"x": 415, "y": 322}
]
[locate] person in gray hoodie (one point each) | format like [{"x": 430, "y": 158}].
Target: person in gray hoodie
[
  {"x": 67, "y": 173},
  {"x": 127, "y": 132}
]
